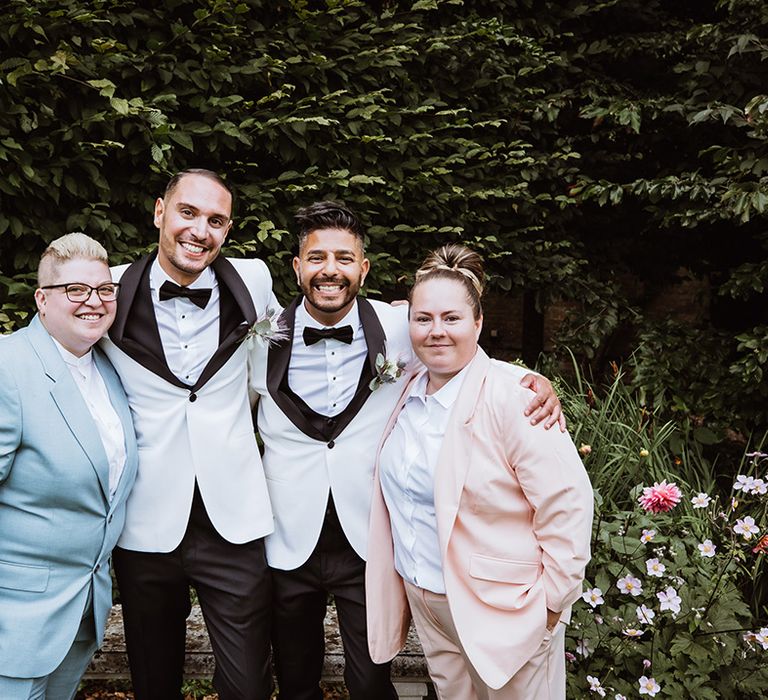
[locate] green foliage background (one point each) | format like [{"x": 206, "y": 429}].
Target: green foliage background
[{"x": 590, "y": 150}]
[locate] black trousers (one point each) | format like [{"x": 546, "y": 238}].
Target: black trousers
[
  {"x": 233, "y": 585},
  {"x": 298, "y": 638}
]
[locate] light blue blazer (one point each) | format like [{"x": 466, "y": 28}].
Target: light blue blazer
[{"x": 57, "y": 525}]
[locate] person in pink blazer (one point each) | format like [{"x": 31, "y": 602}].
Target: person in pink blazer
[{"x": 480, "y": 523}]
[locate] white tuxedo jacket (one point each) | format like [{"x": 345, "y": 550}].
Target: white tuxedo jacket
[
  {"x": 305, "y": 461},
  {"x": 185, "y": 433}
]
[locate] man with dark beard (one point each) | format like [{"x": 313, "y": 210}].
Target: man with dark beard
[{"x": 324, "y": 403}]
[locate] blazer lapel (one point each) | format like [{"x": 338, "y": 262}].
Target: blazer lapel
[
  {"x": 70, "y": 403},
  {"x": 278, "y": 359},
  {"x": 375, "y": 339},
  {"x": 135, "y": 329},
  {"x": 236, "y": 315},
  {"x": 455, "y": 455},
  {"x": 120, "y": 404}
]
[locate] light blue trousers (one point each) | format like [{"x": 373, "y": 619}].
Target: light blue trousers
[{"x": 62, "y": 682}]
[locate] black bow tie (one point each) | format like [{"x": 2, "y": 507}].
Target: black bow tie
[
  {"x": 315, "y": 335},
  {"x": 199, "y": 297}
]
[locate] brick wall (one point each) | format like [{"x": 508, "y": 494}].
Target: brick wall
[{"x": 685, "y": 298}]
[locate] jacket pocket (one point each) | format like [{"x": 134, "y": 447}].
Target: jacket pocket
[
  {"x": 503, "y": 570},
  {"x": 24, "y": 577}
]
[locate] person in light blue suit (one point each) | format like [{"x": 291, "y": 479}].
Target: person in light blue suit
[{"x": 67, "y": 463}]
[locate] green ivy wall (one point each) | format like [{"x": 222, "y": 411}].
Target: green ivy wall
[{"x": 590, "y": 150}]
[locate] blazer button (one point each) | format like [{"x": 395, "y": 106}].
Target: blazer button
[
  {"x": 193, "y": 397},
  {"x": 331, "y": 421},
  {"x": 331, "y": 445}
]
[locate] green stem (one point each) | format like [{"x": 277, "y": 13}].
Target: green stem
[{"x": 717, "y": 584}]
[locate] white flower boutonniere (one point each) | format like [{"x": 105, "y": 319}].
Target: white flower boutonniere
[
  {"x": 387, "y": 371},
  {"x": 268, "y": 330}
]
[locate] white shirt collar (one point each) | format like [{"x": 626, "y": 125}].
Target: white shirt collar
[
  {"x": 446, "y": 395},
  {"x": 83, "y": 362}
]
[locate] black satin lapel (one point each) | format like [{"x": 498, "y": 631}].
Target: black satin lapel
[
  {"x": 278, "y": 359},
  {"x": 236, "y": 315},
  {"x": 279, "y": 354},
  {"x": 135, "y": 329},
  {"x": 129, "y": 287},
  {"x": 375, "y": 338},
  {"x": 376, "y": 342},
  {"x": 242, "y": 307}
]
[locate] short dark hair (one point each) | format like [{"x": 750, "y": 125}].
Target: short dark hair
[
  {"x": 328, "y": 214},
  {"x": 210, "y": 174}
]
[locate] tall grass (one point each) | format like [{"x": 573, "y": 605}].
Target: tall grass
[{"x": 625, "y": 443}]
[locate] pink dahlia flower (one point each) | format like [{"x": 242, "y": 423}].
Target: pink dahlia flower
[{"x": 660, "y": 498}]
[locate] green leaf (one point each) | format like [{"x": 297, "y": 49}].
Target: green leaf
[
  {"x": 106, "y": 87},
  {"x": 705, "y": 436},
  {"x": 424, "y": 5},
  {"x": 119, "y": 105}
]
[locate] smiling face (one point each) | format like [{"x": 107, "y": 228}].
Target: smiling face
[
  {"x": 330, "y": 269},
  {"x": 193, "y": 221},
  {"x": 76, "y": 325},
  {"x": 443, "y": 328}
]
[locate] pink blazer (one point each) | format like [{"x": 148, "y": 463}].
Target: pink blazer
[{"x": 514, "y": 520}]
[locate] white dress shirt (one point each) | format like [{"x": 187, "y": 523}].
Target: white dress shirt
[
  {"x": 325, "y": 375},
  {"x": 91, "y": 385},
  {"x": 189, "y": 334},
  {"x": 407, "y": 474}
]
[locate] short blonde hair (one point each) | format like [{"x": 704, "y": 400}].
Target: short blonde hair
[{"x": 68, "y": 247}]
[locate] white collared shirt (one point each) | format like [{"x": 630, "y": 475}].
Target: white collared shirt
[
  {"x": 407, "y": 474},
  {"x": 94, "y": 391},
  {"x": 325, "y": 375},
  {"x": 189, "y": 334}
]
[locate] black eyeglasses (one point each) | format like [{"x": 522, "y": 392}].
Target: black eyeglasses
[{"x": 78, "y": 292}]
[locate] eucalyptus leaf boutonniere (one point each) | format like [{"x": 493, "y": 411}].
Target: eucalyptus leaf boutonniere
[
  {"x": 387, "y": 371},
  {"x": 268, "y": 330}
]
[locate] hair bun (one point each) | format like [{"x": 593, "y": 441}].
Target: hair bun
[{"x": 456, "y": 258}]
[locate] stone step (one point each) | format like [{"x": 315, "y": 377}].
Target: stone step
[{"x": 409, "y": 669}]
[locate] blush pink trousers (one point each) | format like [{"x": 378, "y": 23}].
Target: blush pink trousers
[{"x": 541, "y": 678}]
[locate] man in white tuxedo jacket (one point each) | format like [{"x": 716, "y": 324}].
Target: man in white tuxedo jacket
[
  {"x": 67, "y": 462},
  {"x": 321, "y": 423},
  {"x": 199, "y": 510}
]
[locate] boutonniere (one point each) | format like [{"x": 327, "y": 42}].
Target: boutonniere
[
  {"x": 268, "y": 330},
  {"x": 387, "y": 371}
]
